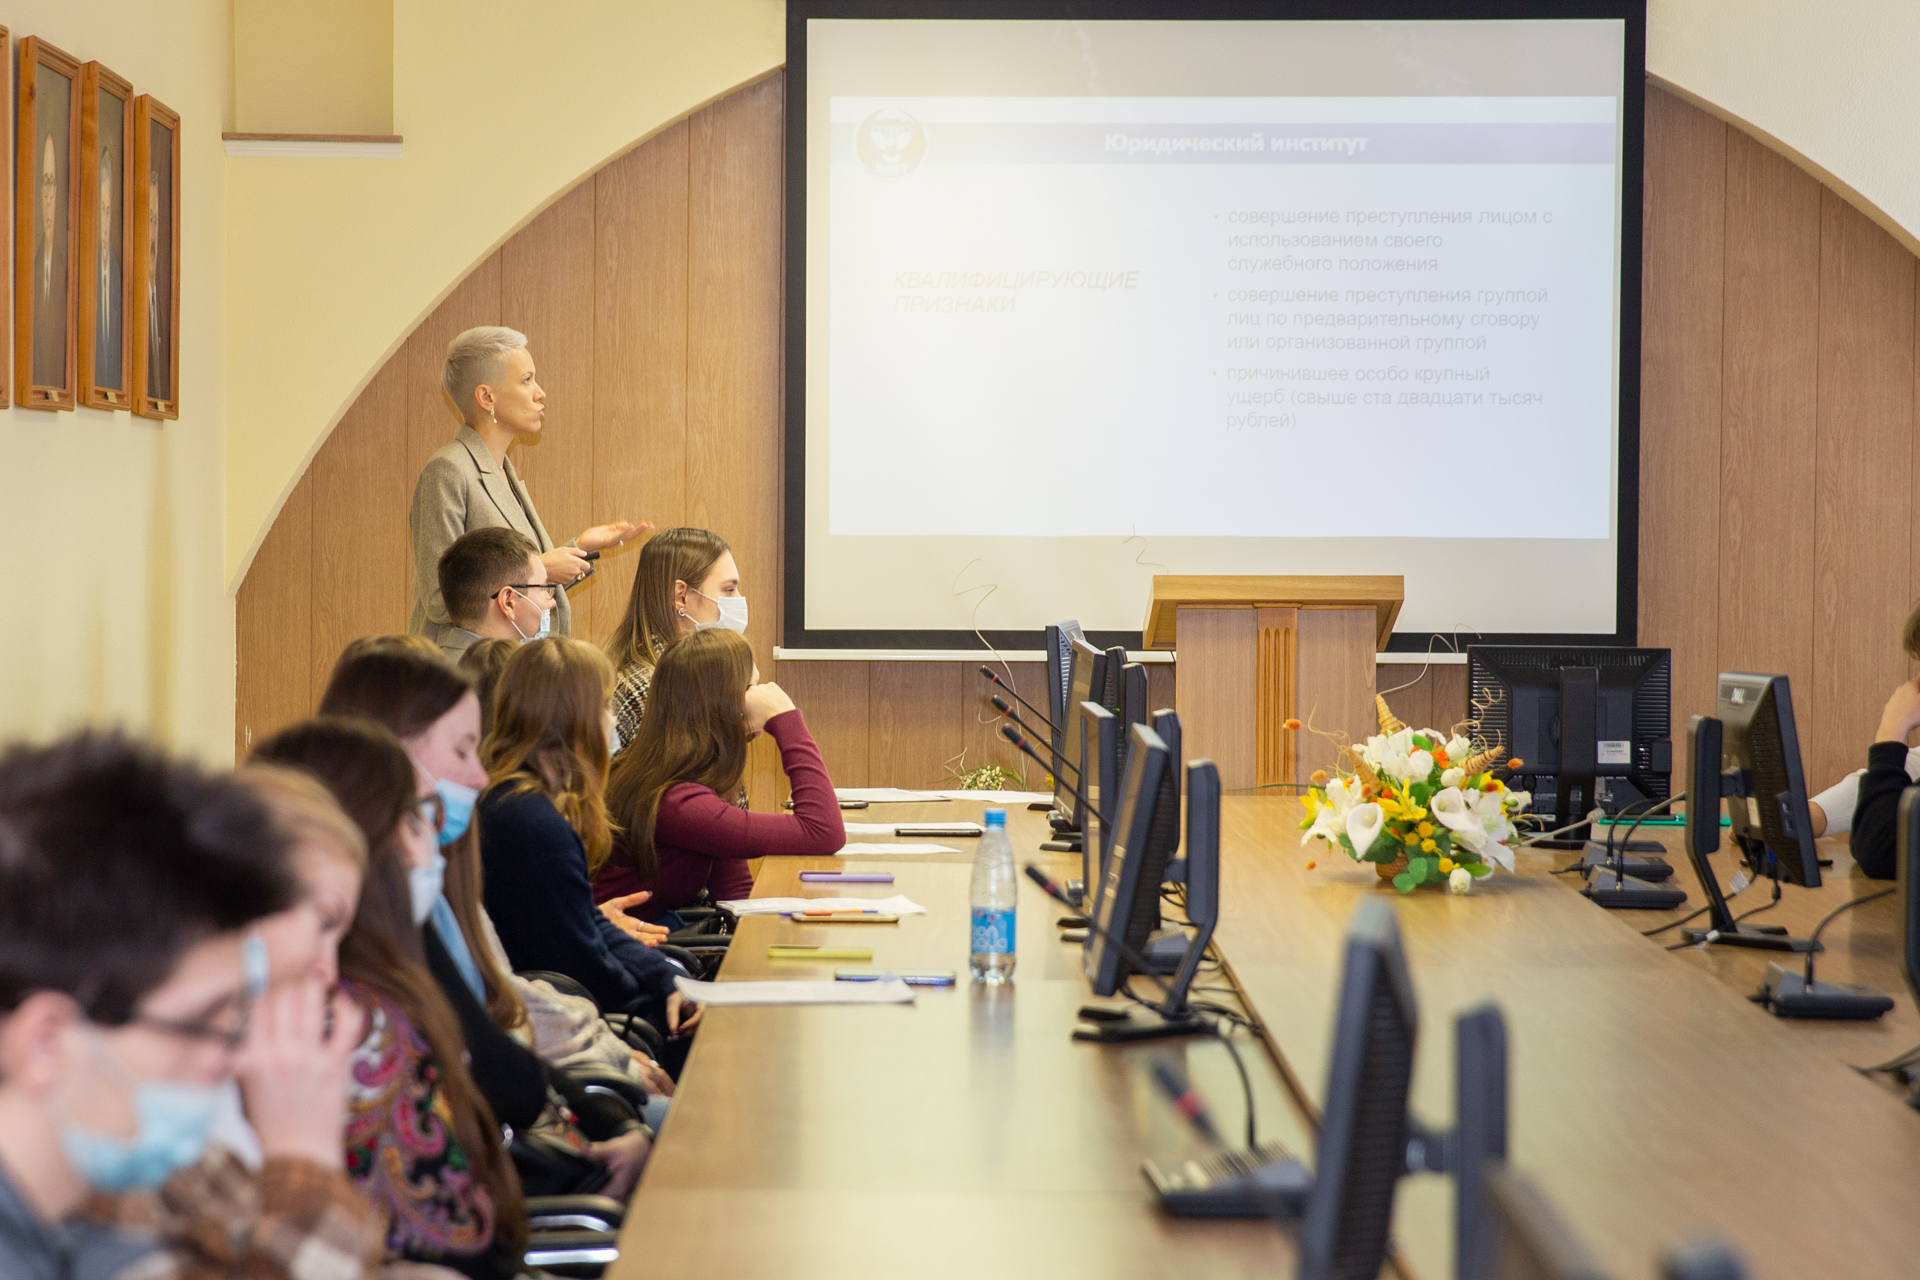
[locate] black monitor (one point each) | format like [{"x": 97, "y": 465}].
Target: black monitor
[
  {"x": 1133, "y": 698},
  {"x": 1767, "y": 810},
  {"x": 1907, "y": 881},
  {"x": 1120, "y": 877},
  {"x": 1110, "y": 694},
  {"x": 1082, "y": 678},
  {"x": 1590, "y": 725},
  {"x": 1060, "y": 638},
  {"x": 1096, "y": 789},
  {"x": 1479, "y": 1135},
  {"x": 1362, "y": 1146}
]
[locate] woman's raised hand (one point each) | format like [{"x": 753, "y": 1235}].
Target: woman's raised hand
[
  {"x": 293, "y": 1070},
  {"x": 764, "y": 702},
  {"x": 602, "y": 536}
]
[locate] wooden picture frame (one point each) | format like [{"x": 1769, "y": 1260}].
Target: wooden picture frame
[
  {"x": 154, "y": 305},
  {"x": 103, "y": 339},
  {"x": 46, "y": 226}
]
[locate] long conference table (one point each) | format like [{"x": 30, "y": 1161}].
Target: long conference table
[{"x": 967, "y": 1134}]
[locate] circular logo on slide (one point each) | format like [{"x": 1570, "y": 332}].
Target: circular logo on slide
[{"x": 890, "y": 143}]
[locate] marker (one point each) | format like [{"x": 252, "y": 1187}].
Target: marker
[
  {"x": 819, "y": 953},
  {"x": 847, "y": 877}
]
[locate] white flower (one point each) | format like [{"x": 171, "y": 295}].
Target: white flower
[
  {"x": 1342, "y": 796},
  {"x": 1458, "y": 748},
  {"x": 1451, "y": 808},
  {"x": 1326, "y": 826},
  {"x": 1419, "y": 767},
  {"x": 1453, "y": 777},
  {"x": 1499, "y": 854},
  {"x": 1518, "y": 800},
  {"x": 1459, "y": 880},
  {"x": 1364, "y": 824}
]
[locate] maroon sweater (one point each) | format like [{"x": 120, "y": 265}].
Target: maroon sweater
[{"x": 703, "y": 841}]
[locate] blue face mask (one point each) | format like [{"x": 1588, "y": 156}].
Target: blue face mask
[
  {"x": 457, "y": 802},
  {"x": 174, "y": 1120},
  {"x": 546, "y": 628},
  {"x": 424, "y": 885}
]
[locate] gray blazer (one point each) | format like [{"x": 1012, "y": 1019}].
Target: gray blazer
[{"x": 460, "y": 489}]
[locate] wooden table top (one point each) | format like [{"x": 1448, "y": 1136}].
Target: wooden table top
[{"x": 1650, "y": 1099}]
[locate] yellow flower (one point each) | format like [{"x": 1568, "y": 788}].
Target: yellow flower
[
  {"x": 1416, "y": 813},
  {"x": 1427, "y": 846},
  {"x": 1312, "y": 802},
  {"x": 1446, "y": 864},
  {"x": 1410, "y": 838},
  {"x": 1426, "y": 829}
]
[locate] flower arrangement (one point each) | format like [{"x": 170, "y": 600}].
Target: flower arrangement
[{"x": 1422, "y": 806}]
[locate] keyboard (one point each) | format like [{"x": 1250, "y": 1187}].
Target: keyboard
[{"x": 1265, "y": 1181}]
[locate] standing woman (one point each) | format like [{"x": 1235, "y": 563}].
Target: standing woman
[
  {"x": 470, "y": 484},
  {"x": 686, "y": 580}
]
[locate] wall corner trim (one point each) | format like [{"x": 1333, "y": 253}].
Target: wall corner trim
[{"x": 314, "y": 146}]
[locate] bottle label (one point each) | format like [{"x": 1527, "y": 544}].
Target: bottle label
[{"x": 993, "y": 932}]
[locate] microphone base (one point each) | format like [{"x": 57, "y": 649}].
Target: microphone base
[
  {"x": 1142, "y": 1024},
  {"x": 1060, "y": 846},
  {"x": 1638, "y": 868},
  {"x": 1788, "y": 995},
  {"x": 1628, "y": 894},
  {"x": 1759, "y": 936}
]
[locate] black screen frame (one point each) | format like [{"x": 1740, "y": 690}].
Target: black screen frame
[{"x": 797, "y": 635}]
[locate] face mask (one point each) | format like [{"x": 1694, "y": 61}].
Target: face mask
[
  {"x": 173, "y": 1123},
  {"x": 457, "y": 802},
  {"x": 424, "y": 883},
  {"x": 733, "y": 612},
  {"x": 546, "y": 628}
]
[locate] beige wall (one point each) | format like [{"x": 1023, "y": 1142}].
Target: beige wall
[
  {"x": 313, "y": 66},
  {"x": 120, "y": 609},
  {"x": 504, "y": 104}
]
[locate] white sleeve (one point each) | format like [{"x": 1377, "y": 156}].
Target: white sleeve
[{"x": 1837, "y": 801}]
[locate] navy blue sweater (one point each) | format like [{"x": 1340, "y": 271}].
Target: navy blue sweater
[
  {"x": 541, "y": 902},
  {"x": 1876, "y": 813}
]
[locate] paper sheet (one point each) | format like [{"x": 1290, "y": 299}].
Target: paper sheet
[
  {"x": 997, "y": 797},
  {"x": 868, "y": 828},
  {"x": 888, "y": 795},
  {"x": 899, "y": 904},
  {"x": 883, "y": 991},
  {"x": 898, "y": 847}
]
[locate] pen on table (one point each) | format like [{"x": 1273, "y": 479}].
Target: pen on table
[{"x": 778, "y": 952}]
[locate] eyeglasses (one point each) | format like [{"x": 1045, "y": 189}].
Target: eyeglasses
[
  {"x": 227, "y": 1037},
  {"x": 528, "y": 589},
  {"x": 431, "y": 809}
]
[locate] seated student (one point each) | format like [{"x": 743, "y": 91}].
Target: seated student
[
  {"x": 431, "y": 706},
  {"x": 484, "y": 662},
  {"x": 679, "y": 833},
  {"x": 421, "y": 1142},
  {"x": 543, "y": 822},
  {"x": 115, "y": 1041},
  {"x": 686, "y": 579},
  {"x": 496, "y": 588},
  {"x": 1876, "y": 814}
]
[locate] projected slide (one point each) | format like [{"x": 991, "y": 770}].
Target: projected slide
[{"x": 1365, "y": 322}]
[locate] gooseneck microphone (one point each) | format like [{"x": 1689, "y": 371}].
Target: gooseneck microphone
[
  {"x": 988, "y": 673},
  {"x": 1019, "y": 740},
  {"x": 1000, "y": 705},
  {"x": 1169, "y": 1009}
]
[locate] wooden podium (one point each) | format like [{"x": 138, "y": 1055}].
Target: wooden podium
[{"x": 1256, "y": 651}]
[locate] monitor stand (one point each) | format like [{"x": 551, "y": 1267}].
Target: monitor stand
[
  {"x": 1721, "y": 929},
  {"x": 1566, "y": 816},
  {"x": 1137, "y": 1024}
]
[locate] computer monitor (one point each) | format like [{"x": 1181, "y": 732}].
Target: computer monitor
[
  {"x": 1163, "y": 948},
  {"x": 1096, "y": 789},
  {"x": 1761, "y": 756},
  {"x": 1362, "y": 1146},
  {"x": 1596, "y": 719},
  {"x": 1479, "y": 1135},
  {"x": 1120, "y": 877},
  {"x": 1133, "y": 698},
  {"x": 1907, "y": 881},
  {"x": 1083, "y": 676},
  {"x": 1060, "y": 638},
  {"x": 1110, "y": 695}
]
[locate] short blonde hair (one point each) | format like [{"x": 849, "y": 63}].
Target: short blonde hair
[
  {"x": 305, "y": 811},
  {"x": 473, "y": 358}
]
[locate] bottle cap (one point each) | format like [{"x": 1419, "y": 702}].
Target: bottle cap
[{"x": 996, "y": 817}]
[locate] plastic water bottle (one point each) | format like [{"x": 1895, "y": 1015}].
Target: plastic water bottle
[{"x": 994, "y": 893}]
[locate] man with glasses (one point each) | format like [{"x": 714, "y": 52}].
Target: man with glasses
[
  {"x": 495, "y": 587},
  {"x": 128, "y": 882}
]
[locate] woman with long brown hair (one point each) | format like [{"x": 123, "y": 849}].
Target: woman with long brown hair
[
  {"x": 543, "y": 823},
  {"x": 680, "y": 833},
  {"x": 686, "y": 580},
  {"x": 422, "y": 1143}
]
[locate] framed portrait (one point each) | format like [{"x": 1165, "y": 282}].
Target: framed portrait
[
  {"x": 104, "y": 344},
  {"x": 46, "y": 226},
  {"x": 155, "y": 304}
]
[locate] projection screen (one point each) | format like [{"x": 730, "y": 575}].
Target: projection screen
[{"x": 1072, "y": 303}]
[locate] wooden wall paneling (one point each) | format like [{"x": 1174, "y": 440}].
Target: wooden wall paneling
[
  {"x": 733, "y": 451},
  {"x": 361, "y": 555},
  {"x": 1214, "y": 694},
  {"x": 833, "y": 696},
  {"x": 546, "y": 292},
  {"x": 1447, "y": 688},
  {"x": 1863, "y": 465},
  {"x": 1770, "y": 367},
  {"x": 1335, "y": 684},
  {"x": 639, "y": 352},
  {"x": 1682, "y": 303},
  {"x": 273, "y": 631},
  {"x": 916, "y": 722},
  {"x": 1160, "y": 686},
  {"x": 1276, "y": 751},
  {"x": 980, "y": 740}
]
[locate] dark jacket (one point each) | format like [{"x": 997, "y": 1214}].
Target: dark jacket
[
  {"x": 541, "y": 902},
  {"x": 507, "y": 1073},
  {"x": 1876, "y": 813}
]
